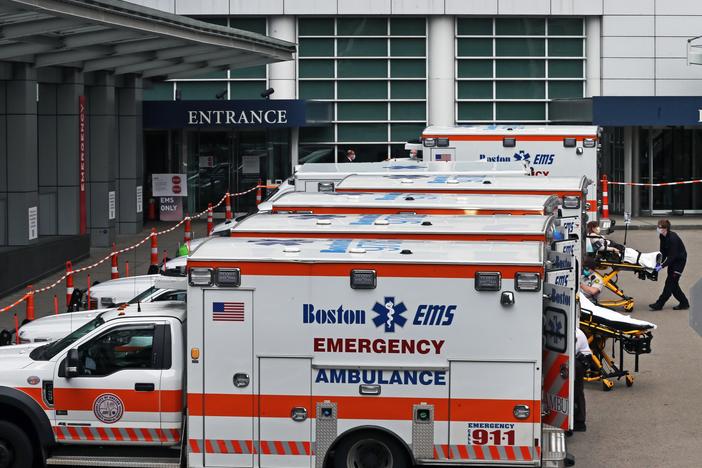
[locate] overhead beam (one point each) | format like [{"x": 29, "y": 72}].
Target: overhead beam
[
  {"x": 99, "y": 37},
  {"x": 141, "y": 67},
  {"x": 196, "y": 73},
  {"x": 20, "y": 49},
  {"x": 178, "y": 68},
  {"x": 183, "y": 51},
  {"x": 109, "y": 63},
  {"x": 69, "y": 56},
  {"x": 30, "y": 28},
  {"x": 146, "y": 45}
]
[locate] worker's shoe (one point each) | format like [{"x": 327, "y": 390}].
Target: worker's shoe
[
  {"x": 681, "y": 307},
  {"x": 579, "y": 427},
  {"x": 655, "y": 306}
]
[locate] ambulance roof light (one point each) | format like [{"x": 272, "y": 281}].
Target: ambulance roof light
[
  {"x": 381, "y": 222},
  {"x": 323, "y": 222}
]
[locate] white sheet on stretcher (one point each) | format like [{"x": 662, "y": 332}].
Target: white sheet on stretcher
[
  {"x": 648, "y": 260},
  {"x": 611, "y": 317}
]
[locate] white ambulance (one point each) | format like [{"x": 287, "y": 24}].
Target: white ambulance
[
  {"x": 304, "y": 354},
  {"x": 553, "y": 150}
]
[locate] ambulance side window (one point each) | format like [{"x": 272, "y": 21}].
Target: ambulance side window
[{"x": 129, "y": 347}]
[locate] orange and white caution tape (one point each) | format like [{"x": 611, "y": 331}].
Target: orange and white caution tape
[{"x": 659, "y": 184}]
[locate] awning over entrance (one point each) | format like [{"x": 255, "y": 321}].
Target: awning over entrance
[
  {"x": 123, "y": 38},
  {"x": 624, "y": 111}
]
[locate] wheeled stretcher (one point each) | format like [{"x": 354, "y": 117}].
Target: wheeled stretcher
[
  {"x": 614, "y": 258},
  {"x": 633, "y": 336}
]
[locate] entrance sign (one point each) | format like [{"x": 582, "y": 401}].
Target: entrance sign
[
  {"x": 169, "y": 185},
  {"x": 82, "y": 151}
]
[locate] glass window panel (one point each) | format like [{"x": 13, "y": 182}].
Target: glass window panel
[
  {"x": 565, "y": 47},
  {"x": 520, "y": 68},
  {"x": 518, "y": 111},
  {"x": 362, "y": 132},
  {"x": 565, "y": 27},
  {"x": 565, "y": 68},
  {"x": 475, "y": 47},
  {"x": 246, "y": 89},
  {"x": 219, "y": 20},
  {"x": 316, "y": 69},
  {"x": 251, "y": 72},
  {"x": 316, "y": 47},
  {"x": 475, "y": 90},
  {"x": 363, "y": 68},
  {"x": 316, "y": 26},
  {"x": 362, "y": 111},
  {"x": 475, "y": 111},
  {"x": 201, "y": 90},
  {"x": 362, "y": 89},
  {"x": 312, "y": 134},
  {"x": 408, "y": 111},
  {"x": 408, "y": 68},
  {"x": 361, "y": 27},
  {"x": 408, "y": 47},
  {"x": 315, "y": 153},
  {"x": 520, "y": 90},
  {"x": 408, "y": 89},
  {"x": 520, "y": 47},
  {"x": 316, "y": 90},
  {"x": 257, "y": 25},
  {"x": 365, "y": 153},
  {"x": 405, "y": 132},
  {"x": 565, "y": 89},
  {"x": 408, "y": 26},
  {"x": 362, "y": 47},
  {"x": 520, "y": 26},
  {"x": 475, "y": 68},
  {"x": 159, "y": 91},
  {"x": 475, "y": 26}
]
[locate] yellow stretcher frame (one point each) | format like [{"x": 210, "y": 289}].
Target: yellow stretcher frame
[{"x": 610, "y": 279}]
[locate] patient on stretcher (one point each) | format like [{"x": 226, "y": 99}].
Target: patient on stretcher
[{"x": 607, "y": 250}]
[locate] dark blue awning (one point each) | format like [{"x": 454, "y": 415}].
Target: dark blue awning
[{"x": 621, "y": 111}]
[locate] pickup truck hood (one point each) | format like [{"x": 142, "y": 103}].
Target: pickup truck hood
[{"x": 15, "y": 357}]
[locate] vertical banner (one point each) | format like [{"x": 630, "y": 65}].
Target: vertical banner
[
  {"x": 111, "y": 205},
  {"x": 82, "y": 145},
  {"x": 33, "y": 223},
  {"x": 139, "y": 198}
]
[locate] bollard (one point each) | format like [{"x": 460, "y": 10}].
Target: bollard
[
  {"x": 259, "y": 193},
  {"x": 227, "y": 207},
  {"x": 605, "y": 197},
  {"x": 115, "y": 270},
  {"x": 30, "y": 303},
  {"x": 154, "y": 248},
  {"x": 210, "y": 221},
  {"x": 87, "y": 292},
  {"x": 188, "y": 231},
  {"x": 55, "y": 304},
  {"x": 17, "y": 338},
  {"x": 69, "y": 284},
  {"x": 126, "y": 269}
]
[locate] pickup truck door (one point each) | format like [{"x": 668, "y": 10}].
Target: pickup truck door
[{"x": 116, "y": 398}]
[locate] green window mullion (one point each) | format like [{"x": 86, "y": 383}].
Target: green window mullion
[
  {"x": 474, "y": 26},
  {"x": 565, "y": 27},
  {"x": 520, "y": 27},
  {"x": 475, "y": 68},
  {"x": 408, "y": 47},
  {"x": 408, "y": 26},
  {"x": 316, "y": 69},
  {"x": 361, "y": 26},
  {"x": 316, "y": 27},
  {"x": 408, "y": 111},
  {"x": 408, "y": 89},
  {"x": 316, "y": 47},
  {"x": 565, "y": 69},
  {"x": 316, "y": 89},
  {"x": 408, "y": 68},
  {"x": 362, "y": 68},
  {"x": 520, "y": 111},
  {"x": 520, "y": 90},
  {"x": 565, "y": 89},
  {"x": 474, "y": 47},
  {"x": 565, "y": 47},
  {"x": 362, "y": 111},
  {"x": 358, "y": 89},
  {"x": 361, "y": 47},
  {"x": 475, "y": 89},
  {"x": 520, "y": 47},
  {"x": 520, "y": 68},
  {"x": 362, "y": 132},
  {"x": 475, "y": 111}
]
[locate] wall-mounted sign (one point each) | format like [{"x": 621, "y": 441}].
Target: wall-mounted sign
[
  {"x": 622, "y": 111},
  {"x": 169, "y": 185},
  {"x": 111, "y": 205},
  {"x": 82, "y": 156},
  {"x": 139, "y": 198},
  {"x": 171, "y": 209},
  {"x": 33, "y": 220},
  {"x": 206, "y": 161}
]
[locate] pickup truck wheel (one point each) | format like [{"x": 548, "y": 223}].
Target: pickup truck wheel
[
  {"x": 370, "y": 450},
  {"x": 15, "y": 447}
]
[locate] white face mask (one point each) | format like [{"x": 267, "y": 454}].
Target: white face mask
[{"x": 660, "y": 230}]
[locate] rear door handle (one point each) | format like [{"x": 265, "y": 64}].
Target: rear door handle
[{"x": 144, "y": 387}]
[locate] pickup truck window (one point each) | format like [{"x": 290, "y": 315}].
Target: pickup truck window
[
  {"x": 143, "y": 295},
  {"x": 129, "y": 347},
  {"x": 46, "y": 352}
]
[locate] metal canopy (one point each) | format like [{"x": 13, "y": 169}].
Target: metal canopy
[{"x": 120, "y": 37}]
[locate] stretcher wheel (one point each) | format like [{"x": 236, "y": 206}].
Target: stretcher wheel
[
  {"x": 607, "y": 385},
  {"x": 629, "y": 307},
  {"x": 629, "y": 380}
]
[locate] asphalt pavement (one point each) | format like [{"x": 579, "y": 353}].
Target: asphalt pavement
[{"x": 654, "y": 423}]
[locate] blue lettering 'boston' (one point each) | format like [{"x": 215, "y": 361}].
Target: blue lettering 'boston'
[
  {"x": 381, "y": 377},
  {"x": 339, "y": 316},
  {"x": 561, "y": 298}
]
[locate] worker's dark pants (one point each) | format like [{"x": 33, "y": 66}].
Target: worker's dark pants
[
  {"x": 672, "y": 288},
  {"x": 580, "y": 410}
]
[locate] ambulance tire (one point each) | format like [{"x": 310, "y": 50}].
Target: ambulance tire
[
  {"x": 15, "y": 447},
  {"x": 370, "y": 449}
]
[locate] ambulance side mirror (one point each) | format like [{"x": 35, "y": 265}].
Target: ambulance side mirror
[{"x": 72, "y": 361}]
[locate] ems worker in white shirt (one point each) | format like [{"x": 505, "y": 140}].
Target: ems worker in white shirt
[
  {"x": 590, "y": 282},
  {"x": 583, "y": 361}
]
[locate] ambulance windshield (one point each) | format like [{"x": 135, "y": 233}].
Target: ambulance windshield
[{"x": 46, "y": 352}]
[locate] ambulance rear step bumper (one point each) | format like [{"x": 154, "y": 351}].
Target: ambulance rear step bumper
[
  {"x": 553, "y": 447},
  {"x": 110, "y": 462}
]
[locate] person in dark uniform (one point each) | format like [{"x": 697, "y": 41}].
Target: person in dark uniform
[
  {"x": 674, "y": 258},
  {"x": 583, "y": 362}
]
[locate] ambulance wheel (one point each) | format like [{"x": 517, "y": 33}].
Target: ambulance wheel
[
  {"x": 607, "y": 385},
  {"x": 15, "y": 447},
  {"x": 629, "y": 380},
  {"x": 370, "y": 449}
]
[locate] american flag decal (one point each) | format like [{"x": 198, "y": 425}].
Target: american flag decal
[
  {"x": 442, "y": 157},
  {"x": 228, "y": 311}
]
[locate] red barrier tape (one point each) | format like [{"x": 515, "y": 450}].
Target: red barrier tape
[
  {"x": 660, "y": 184},
  {"x": 127, "y": 249}
]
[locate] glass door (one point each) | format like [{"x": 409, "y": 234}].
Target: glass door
[{"x": 209, "y": 167}]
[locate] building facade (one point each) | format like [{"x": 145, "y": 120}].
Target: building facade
[{"x": 388, "y": 68}]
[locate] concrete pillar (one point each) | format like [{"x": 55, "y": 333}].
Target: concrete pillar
[
  {"x": 5, "y": 74},
  {"x": 102, "y": 158},
  {"x": 441, "y": 58},
  {"x": 130, "y": 157},
  {"x": 282, "y": 75},
  {"x": 635, "y": 174},
  {"x": 628, "y": 166},
  {"x": 20, "y": 141},
  {"x": 593, "y": 48},
  {"x": 48, "y": 160},
  {"x": 67, "y": 151}
]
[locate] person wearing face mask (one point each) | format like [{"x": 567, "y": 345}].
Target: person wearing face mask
[
  {"x": 674, "y": 258},
  {"x": 590, "y": 282},
  {"x": 350, "y": 156},
  {"x": 596, "y": 242}
]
